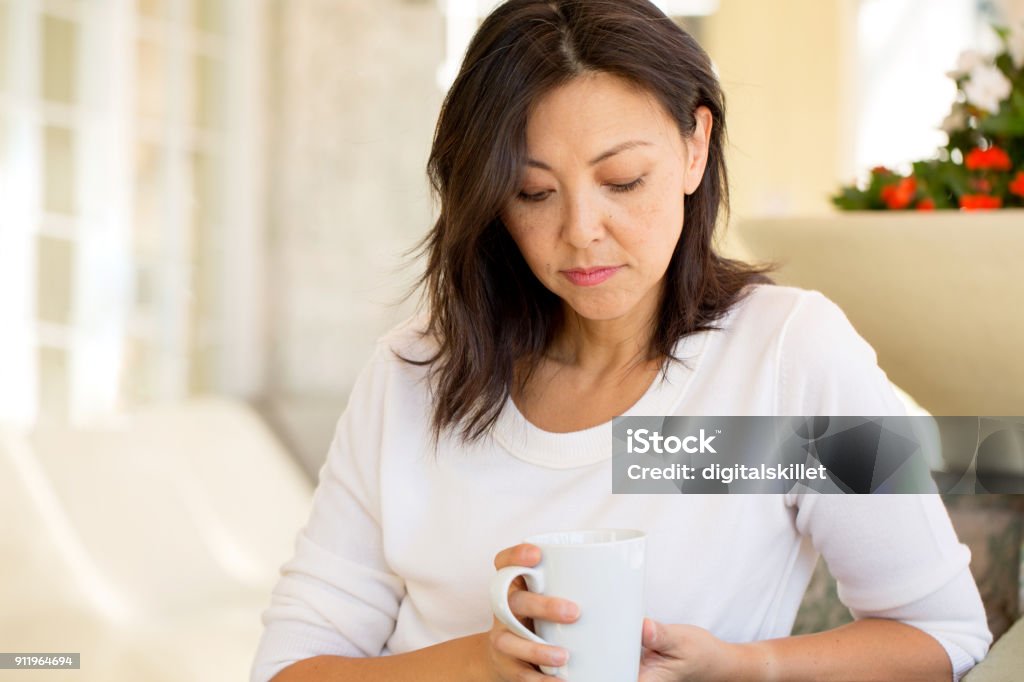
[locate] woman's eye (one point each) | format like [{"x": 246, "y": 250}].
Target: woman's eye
[
  {"x": 536, "y": 196},
  {"x": 541, "y": 196},
  {"x": 629, "y": 186}
]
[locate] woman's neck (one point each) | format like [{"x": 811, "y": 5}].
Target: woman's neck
[{"x": 603, "y": 347}]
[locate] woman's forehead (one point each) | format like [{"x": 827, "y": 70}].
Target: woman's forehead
[{"x": 592, "y": 112}]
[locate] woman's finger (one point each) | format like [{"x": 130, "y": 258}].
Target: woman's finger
[
  {"x": 510, "y": 644},
  {"x": 525, "y": 604},
  {"x": 523, "y": 554}
]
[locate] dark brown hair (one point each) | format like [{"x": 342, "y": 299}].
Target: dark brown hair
[{"x": 491, "y": 317}]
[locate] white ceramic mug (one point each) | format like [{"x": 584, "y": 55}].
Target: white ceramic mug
[{"x": 602, "y": 571}]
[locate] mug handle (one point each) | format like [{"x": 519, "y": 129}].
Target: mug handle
[{"x": 500, "y": 584}]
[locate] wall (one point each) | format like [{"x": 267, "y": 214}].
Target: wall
[
  {"x": 785, "y": 67},
  {"x": 354, "y": 108}
]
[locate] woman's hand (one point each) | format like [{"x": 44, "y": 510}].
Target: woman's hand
[
  {"x": 686, "y": 652},
  {"x": 510, "y": 657}
]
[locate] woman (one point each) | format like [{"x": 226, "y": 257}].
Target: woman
[{"x": 571, "y": 278}]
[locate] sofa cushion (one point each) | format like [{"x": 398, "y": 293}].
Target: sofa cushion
[{"x": 991, "y": 525}]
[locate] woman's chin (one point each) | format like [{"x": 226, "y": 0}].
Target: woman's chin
[{"x": 597, "y": 311}]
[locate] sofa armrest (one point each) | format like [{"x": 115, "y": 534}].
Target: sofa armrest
[{"x": 1005, "y": 660}]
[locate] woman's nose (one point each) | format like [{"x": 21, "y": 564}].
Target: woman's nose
[{"x": 582, "y": 221}]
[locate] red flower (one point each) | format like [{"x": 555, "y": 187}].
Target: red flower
[
  {"x": 976, "y": 202},
  {"x": 981, "y": 186},
  {"x": 926, "y": 204},
  {"x": 900, "y": 195},
  {"x": 992, "y": 158},
  {"x": 1017, "y": 184},
  {"x": 880, "y": 170}
]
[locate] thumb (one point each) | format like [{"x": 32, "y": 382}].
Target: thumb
[
  {"x": 652, "y": 634},
  {"x": 661, "y": 638}
]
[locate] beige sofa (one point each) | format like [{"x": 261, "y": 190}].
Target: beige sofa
[{"x": 939, "y": 297}]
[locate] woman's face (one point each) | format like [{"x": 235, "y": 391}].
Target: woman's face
[{"x": 600, "y": 206}]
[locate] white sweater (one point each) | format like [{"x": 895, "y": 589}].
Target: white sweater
[{"x": 399, "y": 547}]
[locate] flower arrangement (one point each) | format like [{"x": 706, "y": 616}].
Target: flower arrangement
[{"x": 982, "y": 165}]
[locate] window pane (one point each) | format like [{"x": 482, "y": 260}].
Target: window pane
[
  {"x": 209, "y": 89},
  {"x": 151, "y": 83},
  {"x": 59, "y": 170},
  {"x": 54, "y": 258},
  {"x": 147, "y": 281},
  {"x": 60, "y": 44},
  {"x": 53, "y": 384},
  {"x": 139, "y": 377},
  {"x": 206, "y": 313},
  {"x": 206, "y": 309},
  {"x": 206, "y": 191},
  {"x": 202, "y": 369},
  {"x": 208, "y": 15},
  {"x": 150, "y": 187}
]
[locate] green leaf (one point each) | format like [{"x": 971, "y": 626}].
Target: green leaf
[
  {"x": 1007, "y": 123},
  {"x": 851, "y": 198},
  {"x": 1017, "y": 102}
]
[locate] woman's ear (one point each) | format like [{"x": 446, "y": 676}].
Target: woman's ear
[{"x": 697, "y": 150}]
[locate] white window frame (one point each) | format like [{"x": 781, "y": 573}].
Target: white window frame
[{"x": 106, "y": 129}]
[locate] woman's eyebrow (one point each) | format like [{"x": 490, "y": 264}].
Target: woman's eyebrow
[{"x": 621, "y": 147}]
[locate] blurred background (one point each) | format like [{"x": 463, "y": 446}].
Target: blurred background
[{"x": 204, "y": 206}]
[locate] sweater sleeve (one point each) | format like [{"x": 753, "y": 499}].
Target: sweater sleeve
[
  {"x": 826, "y": 368},
  {"x": 337, "y": 595},
  {"x": 893, "y": 556}
]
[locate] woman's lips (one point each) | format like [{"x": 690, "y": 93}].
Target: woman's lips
[{"x": 591, "y": 276}]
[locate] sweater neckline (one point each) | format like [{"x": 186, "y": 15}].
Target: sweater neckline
[{"x": 589, "y": 446}]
